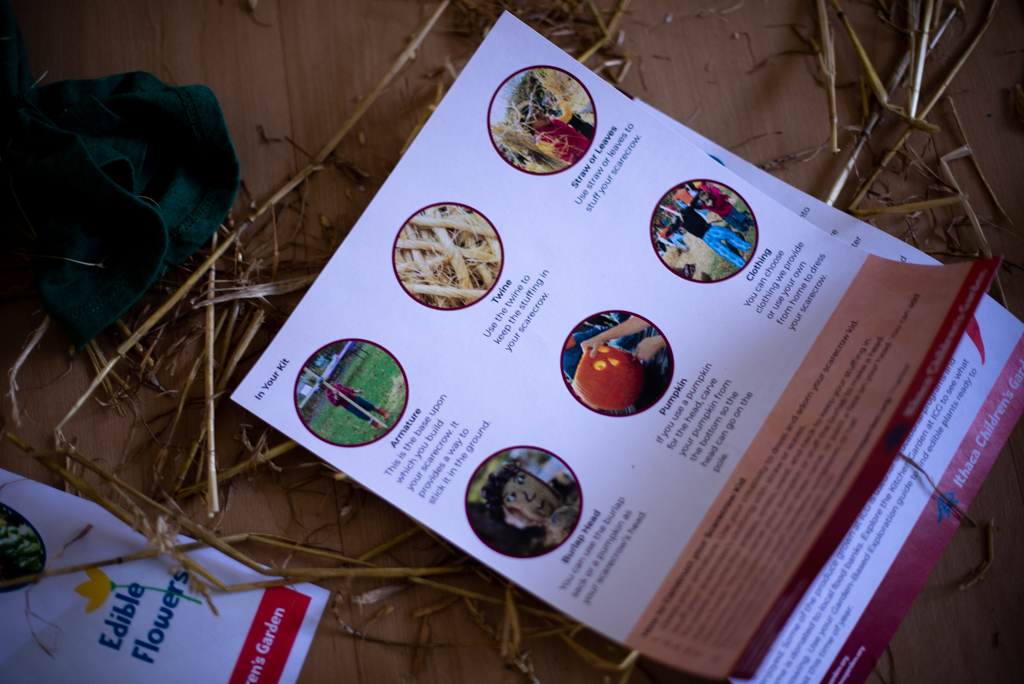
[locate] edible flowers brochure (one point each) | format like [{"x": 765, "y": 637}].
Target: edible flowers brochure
[
  {"x": 137, "y": 621},
  {"x": 608, "y": 367},
  {"x": 856, "y": 603}
]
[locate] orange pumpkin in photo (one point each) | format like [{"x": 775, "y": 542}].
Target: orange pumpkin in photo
[{"x": 611, "y": 380}]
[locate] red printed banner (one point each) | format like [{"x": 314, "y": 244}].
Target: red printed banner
[
  {"x": 926, "y": 543},
  {"x": 271, "y": 636}
]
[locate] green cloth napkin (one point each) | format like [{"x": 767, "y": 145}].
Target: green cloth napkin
[{"x": 123, "y": 171}]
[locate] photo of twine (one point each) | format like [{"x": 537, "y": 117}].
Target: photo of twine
[{"x": 448, "y": 256}]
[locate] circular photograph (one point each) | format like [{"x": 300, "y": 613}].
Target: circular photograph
[
  {"x": 542, "y": 120},
  {"x": 523, "y": 502},
  {"x": 21, "y": 548},
  {"x": 704, "y": 231},
  {"x": 616, "y": 363},
  {"x": 350, "y": 393},
  {"x": 448, "y": 256}
]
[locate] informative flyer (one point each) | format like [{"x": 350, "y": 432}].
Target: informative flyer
[
  {"x": 137, "y": 621},
  {"x": 857, "y": 602},
  {"x": 608, "y": 367}
]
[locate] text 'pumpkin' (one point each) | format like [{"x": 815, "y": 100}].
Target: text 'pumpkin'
[{"x": 611, "y": 380}]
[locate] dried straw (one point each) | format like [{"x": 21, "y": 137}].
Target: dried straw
[
  {"x": 607, "y": 31},
  {"x": 212, "y": 500},
  {"x": 908, "y": 207},
  {"x": 876, "y": 112},
  {"x": 827, "y": 58},
  {"x": 875, "y": 82},
  {"x": 213, "y": 398},
  {"x": 891, "y": 152},
  {"x": 978, "y": 574},
  {"x": 974, "y": 161},
  {"x": 920, "y": 49},
  {"x": 12, "y": 374}
]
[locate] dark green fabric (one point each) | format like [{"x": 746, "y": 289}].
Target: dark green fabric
[{"x": 123, "y": 170}]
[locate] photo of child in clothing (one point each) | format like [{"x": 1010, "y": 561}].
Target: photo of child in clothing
[
  {"x": 542, "y": 120},
  {"x": 703, "y": 231},
  {"x": 616, "y": 363},
  {"x": 523, "y": 502},
  {"x": 350, "y": 392}
]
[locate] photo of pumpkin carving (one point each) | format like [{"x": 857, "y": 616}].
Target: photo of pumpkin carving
[{"x": 616, "y": 363}]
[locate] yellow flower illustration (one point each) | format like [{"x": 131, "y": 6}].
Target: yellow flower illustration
[{"x": 97, "y": 589}]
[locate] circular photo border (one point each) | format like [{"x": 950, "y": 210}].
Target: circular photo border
[
  {"x": 725, "y": 230},
  {"x": 390, "y": 420},
  {"x": 440, "y": 252},
  {"x": 628, "y": 380},
  {"x": 13, "y": 518},
  {"x": 522, "y": 540},
  {"x": 590, "y": 140}
]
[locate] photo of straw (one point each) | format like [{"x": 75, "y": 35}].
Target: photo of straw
[
  {"x": 448, "y": 256},
  {"x": 703, "y": 231},
  {"x": 542, "y": 120}
]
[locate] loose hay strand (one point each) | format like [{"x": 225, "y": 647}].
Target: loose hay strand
[
  {"x": 990, "y": 555},
  {"x": 974, "y": 161},
  {"x": 920, "y": 52},
  {"x": 12, "y": 374},
  {"x": 212, "y": 496},
  {"x": 235, "y": 470},
  {"x": 827, "y": 58},
  {"x": 908, "y": 207}
]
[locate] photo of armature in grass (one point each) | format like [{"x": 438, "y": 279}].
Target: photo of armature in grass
[
  {"x": 350, "y": 392},
  {"x": 616, "y": 363},
  {"x": 703, "y": 231},
  {"x": 448, "y": 256},
  {"x": 542, "y": 120},
  {"x": 523, "y": 502}
]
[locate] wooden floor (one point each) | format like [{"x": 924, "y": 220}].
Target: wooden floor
[{"x": 735, "y": 71}]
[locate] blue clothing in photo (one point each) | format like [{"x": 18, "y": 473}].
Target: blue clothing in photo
[{"x": 719, "y": 239}]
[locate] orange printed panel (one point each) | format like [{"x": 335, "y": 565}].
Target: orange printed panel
[{"x": 835, "y": 428}]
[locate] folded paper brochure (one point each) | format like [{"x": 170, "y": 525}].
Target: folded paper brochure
[
  {"x": 606, "y": 365},
  {"x": 838, "y": 632}
]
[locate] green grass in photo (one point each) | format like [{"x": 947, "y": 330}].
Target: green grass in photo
[{"x": 382, "y": 383}]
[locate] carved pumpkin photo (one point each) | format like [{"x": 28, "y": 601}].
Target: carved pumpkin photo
[
  {"x": 611, "y": 380},
  {"x": 616, "y": 363}
]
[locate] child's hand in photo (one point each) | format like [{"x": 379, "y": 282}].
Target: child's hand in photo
[
  {"x": 649, "y": 348},
  {"x": 590, "y": 346}
]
